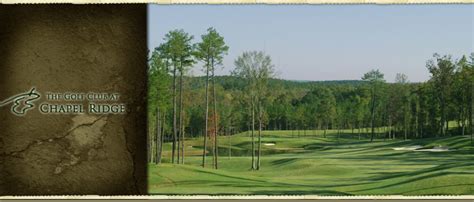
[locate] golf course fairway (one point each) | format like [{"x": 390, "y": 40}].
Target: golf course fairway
[{"x": 311, "y": 164}]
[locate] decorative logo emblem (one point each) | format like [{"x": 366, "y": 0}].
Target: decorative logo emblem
[{"x": 23, "y": 102}]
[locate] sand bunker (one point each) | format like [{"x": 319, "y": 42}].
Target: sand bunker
[
  {"x": 419, "y": 148},
  {"x": 410, "y": 148},
  {"x": 435, "y": 149},
  {"x": 269, "y": 144}
]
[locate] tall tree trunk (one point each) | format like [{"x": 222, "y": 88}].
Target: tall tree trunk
[
  {"x": 291, "y": 129},
  {"x": 149, "y": 145},
  {"x": 372, "y": 116},
  {"x": 471, "y": 117},
  {"x": 464, "y": 117},
  {"x": 389, "y": 129},
  {"x": 416, "y": 119},
  {"x": 260, "y": 117},
  {"x": 358, "y": 128},
  {"x": 182, "y": 143},
  {"x": 158, "y": 135},
  {"x": 216, "y": 145},
  {"x": 181, "y": 115},
  {"x": 178, "y": 120},
  {"x": 325, "y": 129},
  {"x": 405, "y": 130},
  {"x": 248, "y": 129},
  {"x": 253, "y": 136},
  {"x": 421, "y": 130},
  {"x": 443, "y": 117},
  {"x": 405, "y": 125},
  {"x": 352, "y": 128},
  {"x": 175, "y": 131},
  {"x": 162, "y": 136},
  {"x": 394, "y": 132},
  {"x": 230, "y": 142},
  {"x": 204, "y": 150},
  {"x": 178, "y": 144}
]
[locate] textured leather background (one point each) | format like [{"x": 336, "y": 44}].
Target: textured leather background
[{"x": 82, "y": 48}]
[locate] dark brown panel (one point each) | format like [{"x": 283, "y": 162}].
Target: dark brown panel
[{"x": 80, "y": 48}]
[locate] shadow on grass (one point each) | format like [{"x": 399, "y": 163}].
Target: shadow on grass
[
  {"x": 436, "y": 187},
  {"x": 283, "y": 161},
  {"x": 384, "y": 175},
  {"x": 407, "y": 157},
  {"x": 265, "y": 183},
  {"x": 443, "y": 173},
  {"x": 413, "y": 176}
]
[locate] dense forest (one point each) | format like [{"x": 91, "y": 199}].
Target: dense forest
[{"x": 252, "y": 98}]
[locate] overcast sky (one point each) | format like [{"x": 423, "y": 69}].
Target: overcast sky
[{"x": 327, "y": 42}]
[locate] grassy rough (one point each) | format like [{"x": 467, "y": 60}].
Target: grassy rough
[{"x": 311, "y": 164}]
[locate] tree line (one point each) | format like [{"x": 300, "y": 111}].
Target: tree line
[{"x": 252, "y": 99}]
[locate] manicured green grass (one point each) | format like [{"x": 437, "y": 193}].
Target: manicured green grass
[{"x": 311, "y": 164}]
